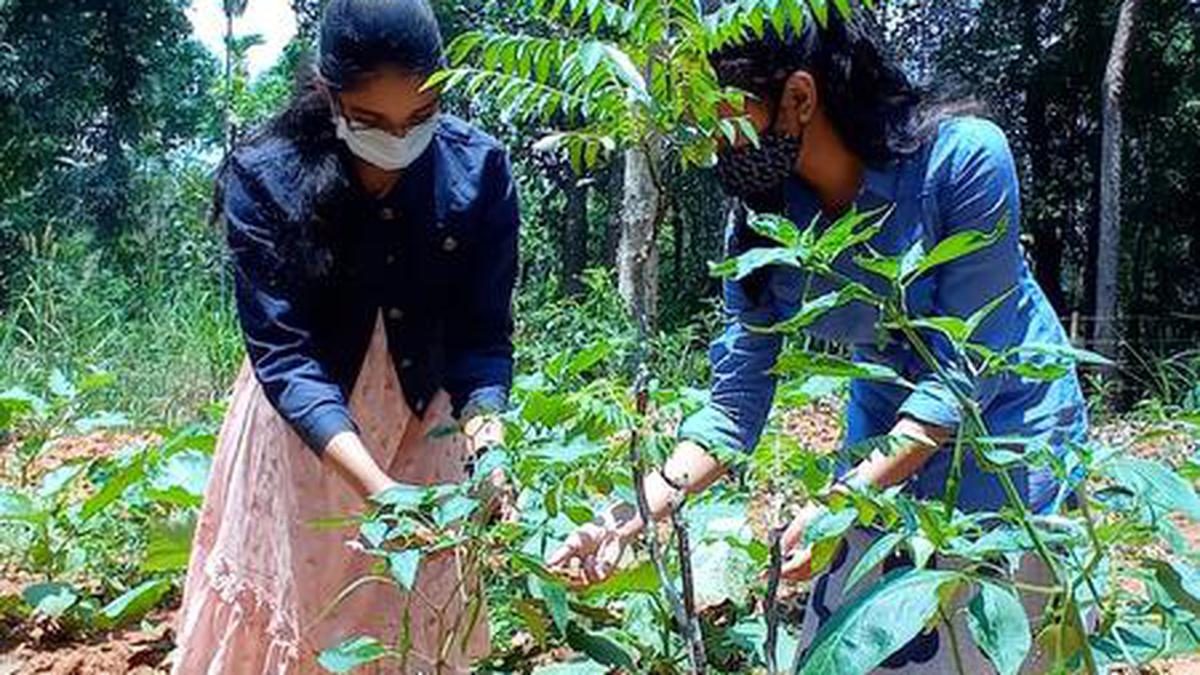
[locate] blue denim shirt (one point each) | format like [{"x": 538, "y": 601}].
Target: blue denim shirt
[
  {"x": 315, "y": 268},
  {"x": 964, "y": 179}
]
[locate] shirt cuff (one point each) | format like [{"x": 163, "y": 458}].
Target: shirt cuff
[
  {"x": 932, "y": 403},
  {"x": 324, "y": 422},
  {"x": 714, "y": 431},
  {"x": 484, "y": 401}
]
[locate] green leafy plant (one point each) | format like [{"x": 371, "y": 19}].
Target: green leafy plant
[{"x": 123, "y": 519}]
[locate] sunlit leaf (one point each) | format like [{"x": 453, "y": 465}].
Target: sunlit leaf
[
  {"x": 601, "y": 647},
  {"x": 403, "y": 566},
  {"x": 1000, "y": 627},
  {"x": 50, "y": 599},
  {"x": 958, "y": 245},
  {"x": 879, "y": 550},
  {"x": 1156, "y": 483},
  {"x": 355, "y": 652},
  {"x": 135, "y": 602},
  {"x": 868, "y": 628}
]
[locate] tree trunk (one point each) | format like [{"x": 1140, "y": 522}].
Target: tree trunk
[
  {"x": 637, "y": 254},
  {"x": 228, "y": 113},
  {"x": 575, "y": 235},
  {"x": 615, "y": 191},
  {"x": 1108, "y": 256}
]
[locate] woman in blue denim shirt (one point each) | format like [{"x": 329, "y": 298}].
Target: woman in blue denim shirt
[
  {"x": 374, "y": 250},
  {"x": 841, "y": 127}
]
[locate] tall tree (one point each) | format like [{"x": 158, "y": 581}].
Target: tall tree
[
  {"x": 1108, "y": 254},
  {"x": 233, "y": 9}
]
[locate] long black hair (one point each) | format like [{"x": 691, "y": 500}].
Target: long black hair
[
  {"x": 358, "y": 38},
  {"x": 873, "y": 105}
]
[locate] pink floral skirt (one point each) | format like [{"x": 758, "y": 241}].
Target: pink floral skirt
[{"x": 267, "y": 567}]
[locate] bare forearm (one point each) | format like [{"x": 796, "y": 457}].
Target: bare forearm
[
  {"x": 346, "y": 454},
  {"x": 689, "y": 468},
  {"x": 920, "y": 443}
]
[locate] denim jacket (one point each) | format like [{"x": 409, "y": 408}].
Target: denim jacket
[
  {"x": 963, "y": 179},
  {"x": 314, "y": 269}
]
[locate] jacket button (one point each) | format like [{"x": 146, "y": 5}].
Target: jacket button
[
  {"x": 406, "y": 363},
  {"x": 420, "y": 405},
  {"x": 395, "y": 314},
  {"x": 387, "y": 213},
  {"x": 391, "y": 259},
  {"x": 449, "y": 244}
]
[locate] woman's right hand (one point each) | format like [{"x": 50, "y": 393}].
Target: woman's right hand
[{"x": 592, "y": 552}]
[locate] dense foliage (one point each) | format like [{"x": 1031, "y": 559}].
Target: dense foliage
[{"x": 117, "y": 327}]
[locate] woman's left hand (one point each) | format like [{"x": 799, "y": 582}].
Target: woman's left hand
[
  {"x": 797, "y": 559},
  {"x": 483, "y": 433}
]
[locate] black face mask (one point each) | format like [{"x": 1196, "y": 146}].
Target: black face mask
[{"x": 757, "y": 174}]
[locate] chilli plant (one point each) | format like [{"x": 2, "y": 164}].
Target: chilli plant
[{"x": 1121, "y": 587}]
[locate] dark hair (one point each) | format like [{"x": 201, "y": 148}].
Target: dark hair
[
  {"x": 872, "y": 104},
  {"x": 357, "y": 38}
]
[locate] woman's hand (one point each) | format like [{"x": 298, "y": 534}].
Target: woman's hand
[
  {"x": 797, "y": 558},
  {"x": 484, "y": 432},
  {"x": 591, "y": 553},
  {"x": 346, "y": 454}
]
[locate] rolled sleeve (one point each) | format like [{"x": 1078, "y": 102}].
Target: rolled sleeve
[
  {"x": 275, "y": 319},
  {"x": 977, "y": 190},
  {"x": 479, "y": 342},
  {"x": 743, "y": 385}
]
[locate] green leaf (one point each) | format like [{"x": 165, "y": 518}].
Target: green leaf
[
  {"x": 355, "y": 652},
  {"x": 862, "y": 633},
  {"x": 555, "y": 595},
  {"x": 957, "y": 245},
  {"x": 180, "y": 480},
  {"x": 60, "y": 386},
  {"x": 17, "y": 403},
  {"x": 848, "y": 231},
  {"x": 751, "y": 261},
  {"x": 114, "y": 487},
  {"x": 800, "y": 363},
  {"x": 589, "y": 357},
  {"x": 879, "y": 550},
  {"x": 776, "y": 228},
  {"x": 403, "y": 566},
  {"x": 1180, "y": 581},
  {"x": 812, "y": 310},
  {"x": 998, "y": 622},
  {"x": 60, "y": 479},
  {"x": 573, "y": 667},
  {"x": 830, "y": 524},
  {"x": 102, "y": 420},
  {"x": 17, "y": 507},
  {"x": 402, "y": 497},
  {"x": 1156, "y": 483},
  {"x": 455, "y": 508},
  {"x": 170, "y": 545},
  {"x": 135, "y": 602},
  {"x": 600, "y": 647},
  {"x": 50, "y": 599},
  {"x": 640, "y": 578}
]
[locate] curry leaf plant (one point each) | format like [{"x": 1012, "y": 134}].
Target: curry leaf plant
[
  {"x": 1120, "y": 522},
  {"x": 600, "y": 76}
]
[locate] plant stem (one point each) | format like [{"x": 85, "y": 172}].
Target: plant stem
[
  {"x": 772, "y": 600},
  {"x": 650, "y": 534},
  {"x": 954, "y": 650}
]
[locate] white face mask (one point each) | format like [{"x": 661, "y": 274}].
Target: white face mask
[{"x": 387, "y": 151}]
